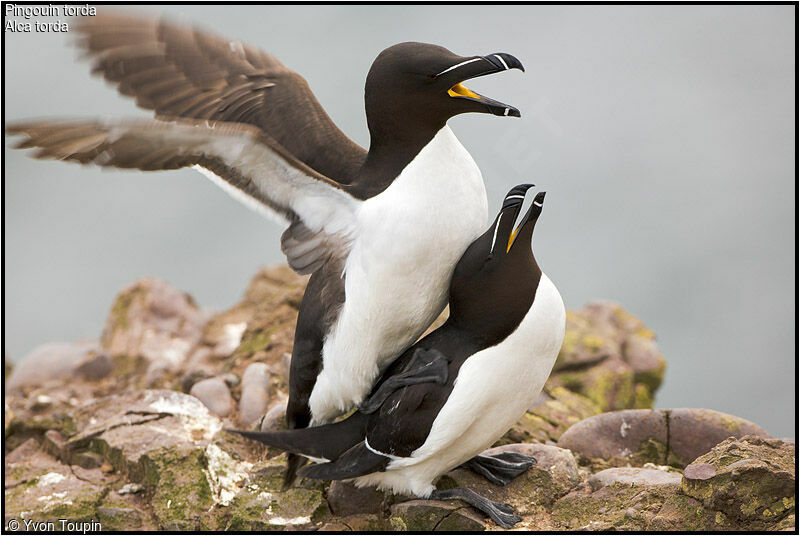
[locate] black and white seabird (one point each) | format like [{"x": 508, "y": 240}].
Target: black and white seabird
[
  {"x": 459, "y": 389},
  {"x": 380, "y": 230}
]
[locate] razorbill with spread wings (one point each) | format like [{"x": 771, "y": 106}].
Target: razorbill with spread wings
[{"x": 380, "y": 230}]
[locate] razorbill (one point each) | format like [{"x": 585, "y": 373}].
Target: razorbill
[
  {"x": 380, "y": 230},
  {"x": 458, "y": 390}
]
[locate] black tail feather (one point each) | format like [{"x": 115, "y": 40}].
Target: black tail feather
[
  {"x": 358, "y": 461},
  {"x": 328, "y": 441}
]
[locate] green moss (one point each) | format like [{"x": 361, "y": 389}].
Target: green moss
[
  {"x": 651, "y": 451},
  {"x": 652, "y": 379},
  {"x": 643, "y": 397},
  {"x": 253, "y": 341},
  {"x": 609, "y": 389},
  {"x": 182, "y": 494},
  {"x": 397, "y": 524}
]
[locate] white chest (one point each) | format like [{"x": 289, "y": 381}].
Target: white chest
[
  {"x": 397, "y": 274},
  {"x": 496, "y": 386}
]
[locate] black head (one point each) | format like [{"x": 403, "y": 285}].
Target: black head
[
  {"x": 420, "y": 84},
  {"x": 495, "y": 281}
]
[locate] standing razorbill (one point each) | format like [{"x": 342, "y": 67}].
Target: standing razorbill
[
  {"x": 458, "y": 390},
  {"x": 380, "y": 230}
]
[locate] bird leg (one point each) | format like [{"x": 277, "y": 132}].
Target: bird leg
[
  {"x": 500, "y": 513},
  {"x": 502, "y": 468},
  {"x": 425, "y": 366}
]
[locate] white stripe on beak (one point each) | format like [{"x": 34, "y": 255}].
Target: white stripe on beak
[
  {"x": 459, "y": 65},
  {"x": 501, "y": 61}
]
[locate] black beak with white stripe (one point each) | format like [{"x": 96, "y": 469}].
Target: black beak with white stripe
[{"x": 475, "y": 67}]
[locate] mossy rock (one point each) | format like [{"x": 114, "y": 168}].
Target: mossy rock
[
  {"x": 262, "y": 505},
  {"x": 751, "y": 480},
  {"x": 557, "y": 410},
  {"x": 426, "y": 515},
  {"x": 181, "y": 494},
  {"x": 57, "y": 494},
  {"x": 615, "y": 507}
]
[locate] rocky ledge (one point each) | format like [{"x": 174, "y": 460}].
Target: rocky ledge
[{"x": 127, "y": 431}]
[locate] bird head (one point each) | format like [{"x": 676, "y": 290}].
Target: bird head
[
  {"x": 495, "y": 281},
  {"x": 422, "y": 84}
]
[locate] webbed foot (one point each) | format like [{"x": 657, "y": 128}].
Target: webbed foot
[
  {"x": 500, "y": 469},
  {"x": 425, "y": 366},
  {"x": 500, "y": 513}
]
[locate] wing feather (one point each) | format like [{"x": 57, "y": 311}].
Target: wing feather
[
  {"x": 321, "y": 212},
  {"x": 179, "y": 71}
]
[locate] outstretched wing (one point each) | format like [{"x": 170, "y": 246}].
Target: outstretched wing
[
  {"x": 180, "y": 71},
  {"x": 242, "y": 158}
]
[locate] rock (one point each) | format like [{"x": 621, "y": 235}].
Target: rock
[
  {"x": 130, "y": 488},
  {"x": 558, "y": 463},
  {"x": 261, "y": 326},
  {"x": 647, "y": 362},
  {"x": 57, "y": 361},
  {"x": 618, "y": 500},
  {"x": 610, "y": 357},
  {"x": 634, "y": 476},
  {"x": 753, "y": 480},
  {"x": 346, "y": 499},
  {"x": 358, "y": 523},
  {"x": 556, "y": 410},
  {"x": 163, "y": 441},
  {"x": 275, "y": 419},
  {"x": 38, "y": 487},
  {"x": 216, "y": 396},
  {"x": 254, "y": 401},
  {"x": 119, "y": 518},
  {"x": 192, "y": 377},
  {"x": 636, "y": 437},
  {"x": 156, "y": 460},
  {"x": 586, "y": 341},
  {"x": 693, "y": 432},
  {"x": 231, "y": 379},
  {"x": 425, "y": 515},
  {"x": 628, "y": 437},
  {"x": 610, "y": 383},
  {"x": 262, "y": 505},
  {"x": 153, "y": 321},
  {"x": 531, "y": 493},
  {"x": 680, "y": 512}
]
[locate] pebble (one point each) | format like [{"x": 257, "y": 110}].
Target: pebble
[
  {"x": 255, "y": 393},
  {"x": 275, "y": 417},
  {"x": 633, "y": 476},
  {"x": 216, "y": 396},
  {"x": 129, "y": 489}
]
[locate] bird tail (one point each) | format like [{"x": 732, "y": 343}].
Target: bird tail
[
  {"x": 328, "y": 441},
  {"x": 359, "y": 460}
]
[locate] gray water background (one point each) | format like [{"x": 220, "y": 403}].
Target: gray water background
[{"x": 664, "y": 136}]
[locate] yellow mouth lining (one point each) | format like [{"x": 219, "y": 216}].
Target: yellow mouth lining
[
  {"x": 460, "y": 91},
  {"x": 512, "y": 238}
]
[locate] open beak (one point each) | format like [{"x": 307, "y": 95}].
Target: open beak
[
  {"x": 481, "y": 66},
  {"x": 504, "y": 223},
  {"x": 529, "y": 219}
]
